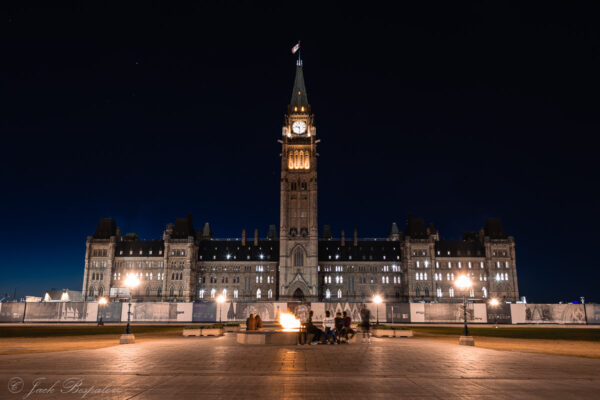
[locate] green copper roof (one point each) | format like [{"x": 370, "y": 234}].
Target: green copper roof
[{"x": 299, "y": 97}]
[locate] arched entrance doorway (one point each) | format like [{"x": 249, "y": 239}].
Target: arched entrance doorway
[{"x": 299, "y": 295}]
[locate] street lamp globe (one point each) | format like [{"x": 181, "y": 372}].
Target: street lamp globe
[
  {"x": 102, "y": 301},
  {"x": 494, "y": 302},
  {"x": 463, "y": 282},
  {"x": 132, "y": 281}
]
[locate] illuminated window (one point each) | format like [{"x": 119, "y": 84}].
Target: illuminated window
[
  {"x": 258, "y": 293},
  {"x": 484, "y": 290},
  {"x": 451, "y": 292},
  {"x": 270, "y": 294},
  {"x": 327, "y": 294},
  {"x": 439, "y": 292},
  {"x": 306, "y": 160},
  {"x": 470, "y": 264},
  {"x": 459, "y": 264},
  {"x": 481, "y": 264},
  {"x": 201, "y": 293},
  {"x": 437, "y": 264},
  {"x": 506, "y": 264},
  {"x": 213, "y": 291},
  {"x": 235, "y": 294},
  {"x": 339, "y": 293},
  {"x": 449, "y": 264},
  {"x": 417, "y": 264},
  {"x": 472, "y": 293}
]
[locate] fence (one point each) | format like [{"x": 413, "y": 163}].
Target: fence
[{"x": 269, "y": 311}]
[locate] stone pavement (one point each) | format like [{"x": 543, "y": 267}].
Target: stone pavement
[{"x": 214, "y": 368}]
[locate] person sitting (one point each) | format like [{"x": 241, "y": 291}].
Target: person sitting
[
  {"x": 329, "y": 326},
  {"x": 312, "y": 329},
  {"x": 251, "y": 323},
  {"x": 259, "y": 323},
  {"x": 339, "y": 326},
  {"x": 347, "y": 330}
]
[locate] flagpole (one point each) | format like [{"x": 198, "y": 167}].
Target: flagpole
[{"x": 299, "y": 53}]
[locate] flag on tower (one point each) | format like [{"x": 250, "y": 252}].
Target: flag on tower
[{"x": 296, "y": 48}]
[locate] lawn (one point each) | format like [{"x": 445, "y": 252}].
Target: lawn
[
  {"x": 548, "y": 333},
  {"x": 74, "y": 330}
]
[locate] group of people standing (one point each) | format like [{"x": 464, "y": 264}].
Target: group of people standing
[{"x": 335, "y": 330}]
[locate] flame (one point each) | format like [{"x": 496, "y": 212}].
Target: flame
[{"x": 289, "y": 322}]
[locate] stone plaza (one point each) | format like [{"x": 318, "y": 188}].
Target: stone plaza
[{"x": 215, "y": 368}]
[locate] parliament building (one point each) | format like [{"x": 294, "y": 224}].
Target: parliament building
[{"x": 296, "y": 263}]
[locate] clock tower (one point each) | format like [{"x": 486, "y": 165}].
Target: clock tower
[{"x": 299, "y": 247}]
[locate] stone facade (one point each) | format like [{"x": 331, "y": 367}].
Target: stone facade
[{"x": 295, "y": 263}]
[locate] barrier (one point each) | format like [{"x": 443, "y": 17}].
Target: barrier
[
  {"x": 547, "y": 314},
  {"x": 593, "y": 313},
  {"x": 269, "y": 311},
  {"x": 11, "y": 312}
]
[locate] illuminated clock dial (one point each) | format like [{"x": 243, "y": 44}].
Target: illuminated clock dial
[{"x": 299, "y": 127}]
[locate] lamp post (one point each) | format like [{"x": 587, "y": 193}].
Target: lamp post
[
  {"x": 494, "y": 303},
  {"x": 131, "y": 282},
  {"x": 220, "y": 300},
  {"x": 377, "y": 300},
  {"x": 464, "y": 283},
  {"x": 101, "y": 302}
]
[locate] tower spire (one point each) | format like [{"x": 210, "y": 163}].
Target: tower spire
[{"x": 299, "y": 98}]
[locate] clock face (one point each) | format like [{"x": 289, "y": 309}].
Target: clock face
[{"x": 299, "y": 127}]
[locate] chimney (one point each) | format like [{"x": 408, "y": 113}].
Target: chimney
[
  {"x": 355, "y": 237},
  {"x": 243, "y": 237},
  {"x": 256, "y": 237},
  {"x": 343, "y": 238}
]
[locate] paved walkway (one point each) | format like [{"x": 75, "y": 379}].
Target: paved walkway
[{"x": 212, "y": 368}]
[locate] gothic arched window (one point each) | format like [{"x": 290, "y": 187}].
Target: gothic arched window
[
  {"x": 258, "y": 293},
  {"x": 301, "y": 160},
  {"x": 306, "y": 160},
  {"x": 171, "y": 291},
  {"x": 298, "y": 257},
  {"x": 296, "y": 160},
  {"x": 100, "y": 291},
  {"x": 147, "y": 291},
  {"x": 92, "y": 291}
]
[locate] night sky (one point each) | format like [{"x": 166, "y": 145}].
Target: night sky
[{"x": 451, "y": 112}]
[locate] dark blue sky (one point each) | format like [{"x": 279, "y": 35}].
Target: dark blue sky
[{"x": 453, "y": 112}]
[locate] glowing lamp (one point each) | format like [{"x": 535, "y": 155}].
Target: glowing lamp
[
  {"x": 463, "y": 282},
  {"x": 132, "y": 281}
]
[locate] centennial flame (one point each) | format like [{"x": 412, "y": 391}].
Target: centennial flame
[{"x": 289, "y": 322}]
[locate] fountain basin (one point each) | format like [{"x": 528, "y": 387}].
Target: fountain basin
[{"x": 268, "y": 337}]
